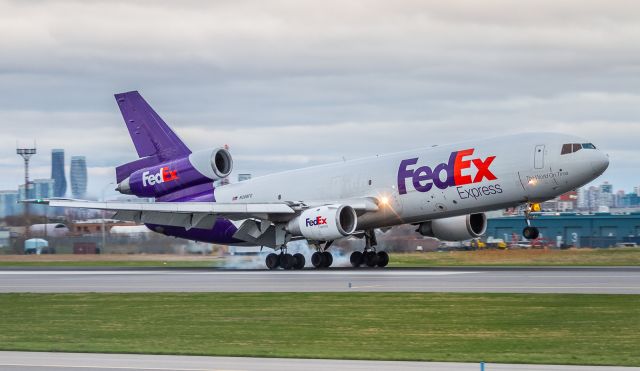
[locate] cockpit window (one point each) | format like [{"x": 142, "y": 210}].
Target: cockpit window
[{"x": 575, "y": 147}]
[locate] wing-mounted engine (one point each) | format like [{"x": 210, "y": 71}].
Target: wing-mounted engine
[
  {"x": 167, "y": 177},
  {"x": 458, "y": 228},
  {"x": 324, "y": 223}
]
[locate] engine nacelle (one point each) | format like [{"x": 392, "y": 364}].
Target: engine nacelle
[
  {"x": 213, "y": 164},
  {"x": 324, "y": 223},
  {"x": 198, "y": 168},
  {"x": 457, "y": 228}
]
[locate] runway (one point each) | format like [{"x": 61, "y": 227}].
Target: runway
[
  {"x": 27, "y": 361},
  {"x": 497, "y": 280}
]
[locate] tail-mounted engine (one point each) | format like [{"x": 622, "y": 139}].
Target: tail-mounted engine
[
  {"x": 198, "y": 168},
  {"x": 458, "y": 228},
  {"x": 324, "y": 223}
]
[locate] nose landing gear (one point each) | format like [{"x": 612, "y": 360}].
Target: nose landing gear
[{"x": 530, "y": 232}]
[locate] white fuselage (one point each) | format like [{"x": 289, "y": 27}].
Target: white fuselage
[{"x": 436, "y": 182}]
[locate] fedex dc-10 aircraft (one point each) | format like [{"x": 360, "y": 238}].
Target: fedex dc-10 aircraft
[{"x": 443, "y": 190}]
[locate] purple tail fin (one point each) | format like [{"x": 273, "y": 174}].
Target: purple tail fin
[{"x": 154, "y": 140}]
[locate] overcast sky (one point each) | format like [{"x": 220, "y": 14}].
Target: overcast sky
[{"x": 295, "y": 83}]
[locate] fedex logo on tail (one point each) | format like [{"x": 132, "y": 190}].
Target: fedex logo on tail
[
  {"x": 460, "y": 170},
  {"x": 162, "y": 176},
  {"x": 315, "y": 221}
]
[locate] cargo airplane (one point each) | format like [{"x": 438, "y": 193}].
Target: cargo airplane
[{"x": 442, "y": 190}]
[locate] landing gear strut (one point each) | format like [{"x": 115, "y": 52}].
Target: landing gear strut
[
  {"x": 530, "y": 232},
  {"x": 369, "y": 256},
  {"x": 285, "y": 260}
]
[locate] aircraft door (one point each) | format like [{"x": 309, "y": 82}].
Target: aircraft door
[{"x": 538, "y": 157}]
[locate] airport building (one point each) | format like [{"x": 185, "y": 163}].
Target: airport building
[
  {"x": 572, "y": 229},
  {"x": 78, "y": 177}
]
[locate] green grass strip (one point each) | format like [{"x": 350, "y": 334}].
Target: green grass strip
[{"x": 510, "y": 328}]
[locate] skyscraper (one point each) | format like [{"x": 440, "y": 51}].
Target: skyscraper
[
  {"x": 605, "y": 198},
  {"x": 606, "y": 188},
  {"x": 57, "y": 173},
  {"x": 78, "y": 176}
]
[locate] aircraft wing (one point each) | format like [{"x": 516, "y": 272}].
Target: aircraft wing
[
  {"x": 180, "y": 214},
  {"x": 198, "y": 214}
]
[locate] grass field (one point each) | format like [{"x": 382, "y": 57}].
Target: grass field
[
  {"x": 541, "y": 328},
  {"x": 535, "y": 257},
  {"x": 571, "y": 257}
]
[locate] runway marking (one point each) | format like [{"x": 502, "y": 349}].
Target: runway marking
[{"x": 366, "y": 287}]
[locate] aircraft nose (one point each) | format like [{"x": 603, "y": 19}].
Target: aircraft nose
[{"x": 601, "y": 163}]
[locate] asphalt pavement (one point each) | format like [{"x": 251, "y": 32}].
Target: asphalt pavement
[
  {"x": 27, "y": 361},
  {"x": 502, "y": 280}
]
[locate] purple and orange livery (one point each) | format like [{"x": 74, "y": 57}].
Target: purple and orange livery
[
  {"x": 168, "y": 170},
  {"x": 424, "y": 178}
]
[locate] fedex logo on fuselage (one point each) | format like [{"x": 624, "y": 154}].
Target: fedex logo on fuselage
[
  {"x": 162, "y": 176},
  {"x": 318, "y": 220},
  {"x": 456, "y": 172}
]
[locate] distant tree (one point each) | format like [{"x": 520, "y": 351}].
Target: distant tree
[{"x": 16, "y": 221}]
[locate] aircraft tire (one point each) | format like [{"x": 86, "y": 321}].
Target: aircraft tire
[
  {"x": 272, "y": 261},
  {"x": 370, "y": 259},
  {"x": 316, "y": 259},
  {"x": 530, "y": 233},
  {"x": 287, "y": 261},
  {"x": 356, "y": 259},
  {"x": 299, "y": 261},
  {"x": 383, "y": 259},
  {"x": 327, "y": 259}
]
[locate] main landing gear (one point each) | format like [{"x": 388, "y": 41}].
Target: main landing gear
[
  {"x": 322, "y": 258},
  {"x": 369, "y": 257},
  {"x": 530, "y": 232},
  {"x": 285, "y": 261}
]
